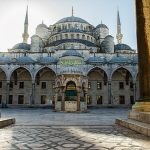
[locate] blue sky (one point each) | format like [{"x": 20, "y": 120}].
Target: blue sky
[{"x": 12, "y": 15}]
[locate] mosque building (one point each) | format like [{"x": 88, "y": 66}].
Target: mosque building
[{"x": 69, "y": 65}]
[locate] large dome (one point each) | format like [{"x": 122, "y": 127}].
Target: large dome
[{"x": 72, "y": 19}]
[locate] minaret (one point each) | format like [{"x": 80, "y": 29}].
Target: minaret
[
  {"x": 25, "y": 35},
  {"x": 72, "y": 11},
  {"x": 119, "y": 34}
]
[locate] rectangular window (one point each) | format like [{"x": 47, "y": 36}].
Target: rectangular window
[
  {"x": 122, "y": 99},
  {"x": 0, "y": 84},
  {"x": 43, "y": 85},
  {"x": 99, "y": 85},
  {"x": 132, "y": 100},
  {"x": 10, "y": 100},
  {"x": 89, "y": 101},
  {"x": 89, "y": 85},
  {"x": 43, "y": 99},
  {"x": 11, "y": 85},
  {"x": 20, "y": 99},
  {"x": 131, "y": 85},
  {"x": 121, "y": 85},
  {"x": 99, "y": 100},
  {"x": 0, "y": 99},
  {"x": 53, "y": 101},
  {"x": 21, "y": 85}
]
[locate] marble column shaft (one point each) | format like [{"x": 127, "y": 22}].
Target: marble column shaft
[{"x": 143, "y": 40}]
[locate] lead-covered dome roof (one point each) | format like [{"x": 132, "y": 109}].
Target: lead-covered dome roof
[
  {"x": 23, "y": 46},
  {"x": 95, "y": 60},
  {"x": 42, "y": 26},
  {"x": 4, "y": 60},
  {"x": 71, "y": 52},
  {"x": 101, "y": 26},
  {"x": 25, "y": 60},
  {"x": 119, "y": 59},
  {"x": 47, "y": 60},
  {"x": 122, "y": 47},
  {"x": 72, "y": 19}
]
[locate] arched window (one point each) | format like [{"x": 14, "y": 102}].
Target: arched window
[
  {"x": 88, "y": 38},
  {"x": 83, "y": 37},
  {"x": 56, "y": 38},
  {"x": 72, "y": 36},
  {"x": 81, "y": 27},
  {"x": 66, "y": 36},
  {"x": 78, "y": 36},
  {"x": 76, "y": 26},
  {"x": 60, "y": 36},
  {"x": 69, "y": 26}
]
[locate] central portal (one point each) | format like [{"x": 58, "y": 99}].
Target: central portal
[
  {"x": 71, "y": 92},
  {"x": 71, "y": 97}
]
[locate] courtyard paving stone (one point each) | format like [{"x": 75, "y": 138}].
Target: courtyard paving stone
[{"x": 28, "y": 134}]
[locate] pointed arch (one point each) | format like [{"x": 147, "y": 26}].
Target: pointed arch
[
  {"x": 20, "y": 67},
  {"x": 112, "y": 73}
]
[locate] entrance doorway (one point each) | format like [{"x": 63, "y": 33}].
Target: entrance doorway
[{"x": 71, "y": 92}]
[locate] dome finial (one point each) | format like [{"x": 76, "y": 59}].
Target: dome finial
[{"x": 72, "y": 11}]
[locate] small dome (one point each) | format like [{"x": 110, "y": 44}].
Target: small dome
[
  {"x": 71, "y": 70},
  {"x": 72, "y": 52},
  {"x": 119, "y": 59},
  {"x": 47, "y": 60},
  {"x": 96, "y": 60},
  {"x": 101, "y": 26},
  {"x": 25, "y": 60},
  {"x": 72, "y": 19},
  {"x": 4, "y": 60},
  {"x": 122, "y": 47},
  {"x": 42, "y": 26},
  {"x": 24, "y": 46}
]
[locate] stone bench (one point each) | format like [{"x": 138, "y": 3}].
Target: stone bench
[{"x": 6, "y": 122}]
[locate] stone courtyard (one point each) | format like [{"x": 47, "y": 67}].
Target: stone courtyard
[{"x": 43, "y": 129}]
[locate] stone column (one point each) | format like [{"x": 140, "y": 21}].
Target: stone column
[
  {"x": 78, "y": 100},
  {"x": 7, "y": 94},
  {"x": 63, "y": 101},
  {"x": 86, "y": 95},
  {"x": 56, "y": 96},
  {"x": 33, "y": 94},
  {"x": 134, "y": 90},
  {"x": 143, "y": 40},
  {"x": 109, "y": 92}
]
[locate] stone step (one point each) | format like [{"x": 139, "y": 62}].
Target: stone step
[
  {"x": 140, "y": 116},
  {"x": 143, "y": 128},
  {"x": 6, "y": 122}
]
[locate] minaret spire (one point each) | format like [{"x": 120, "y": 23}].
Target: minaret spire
[
  {"x": 119, "y": 34},
  {"x": 72, "y": 11},
  {"x": 25, "y": 35}
]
